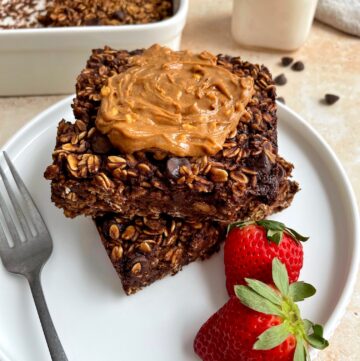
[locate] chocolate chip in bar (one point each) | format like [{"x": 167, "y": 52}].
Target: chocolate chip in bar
[
  {"x": 100, "y": 144},
  {"x": 119, "y": 15},
  {"x": 174, "y": 164},
  {"x": 331, "y": 99},
  {"x": 298, "y": 66},
  {"x": 286, "y": 60},
  {"x": 280, "y": 79}
]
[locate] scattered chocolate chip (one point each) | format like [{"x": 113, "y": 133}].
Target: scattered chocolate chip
[
  {"x": 280, "y": 79},
  {"x": 173, "y": 166},
  {"x": 331, "y": 99},
  {"x": 281, "y": 100},
  {"x": 298, "y": 66},
  {"x": 286, "y": 60}
]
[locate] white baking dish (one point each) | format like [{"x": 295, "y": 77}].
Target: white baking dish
[{"x": 47, "y": 60}]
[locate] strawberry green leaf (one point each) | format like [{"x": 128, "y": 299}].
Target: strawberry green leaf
[
  {"x": 301, "y": 290},
  {"x": 297, "y": 236},
  {"x": 307, "y": 326},
  {"x": 280, "y": 276},
  {"x": 318, "y": 330},
  {"x": 300, "y": 350},
  {"x": 274, "y": 236},
  {"x": 272, "y": 337},
  {"x": 273, "y": 225},
  {"x": 239, "y": 224},
  {"x": 264, "y": 290},
  {"x": 317, "y": 341},
  {"x": 274, "y": 230},
  {"x": 256, "y": 302}
]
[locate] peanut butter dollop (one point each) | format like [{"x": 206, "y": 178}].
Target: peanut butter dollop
[{"x": 179, "y": 102}]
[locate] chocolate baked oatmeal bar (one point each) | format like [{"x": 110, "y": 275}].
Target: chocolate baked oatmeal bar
[
  {"x": 146, "y": 249},
  {"x": 143, "y": 250},
  {"x": 244, "y": 178}
]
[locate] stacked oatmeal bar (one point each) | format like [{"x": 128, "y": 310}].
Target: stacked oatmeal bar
[{"x": 157, "y": 210}]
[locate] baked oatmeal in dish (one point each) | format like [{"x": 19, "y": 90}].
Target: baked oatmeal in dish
[
  {"x": 16, "y": 14},
  {"x": 165, "y": 138}
]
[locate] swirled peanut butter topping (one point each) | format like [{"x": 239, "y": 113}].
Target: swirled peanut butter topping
[{"x": 179, "y": 102}]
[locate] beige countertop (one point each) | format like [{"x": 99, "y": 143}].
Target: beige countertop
[{"x": 332, "y": 65}]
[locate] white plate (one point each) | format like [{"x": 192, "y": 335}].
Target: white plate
[{"x": 96, "y": 321}]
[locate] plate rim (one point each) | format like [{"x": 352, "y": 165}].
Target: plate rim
[
  {"x": 347, "y": 189},
  {"x": 348, "y": 289}
]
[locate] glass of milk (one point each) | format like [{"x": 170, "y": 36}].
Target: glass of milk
[{"x": 276, "y": 24}]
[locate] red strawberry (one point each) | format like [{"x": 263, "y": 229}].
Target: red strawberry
[
  {"x": 251, "y": 246},
  {"x": 262, "y": 323},
  {"x": 229, "y": 335}
]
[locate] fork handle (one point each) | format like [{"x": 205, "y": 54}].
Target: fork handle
[{"x": 52, "y": 339}]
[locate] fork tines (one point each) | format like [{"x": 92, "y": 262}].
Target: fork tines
[{"x": 14, "y": 212}]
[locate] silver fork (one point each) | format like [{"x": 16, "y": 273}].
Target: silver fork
[{"x": 28, "y": 258}]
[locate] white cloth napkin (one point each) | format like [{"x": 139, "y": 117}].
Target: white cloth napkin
[{"x": 341, "y": 14}]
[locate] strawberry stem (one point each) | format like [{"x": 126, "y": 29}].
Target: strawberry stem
[{"x": 282, "y": 303}]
